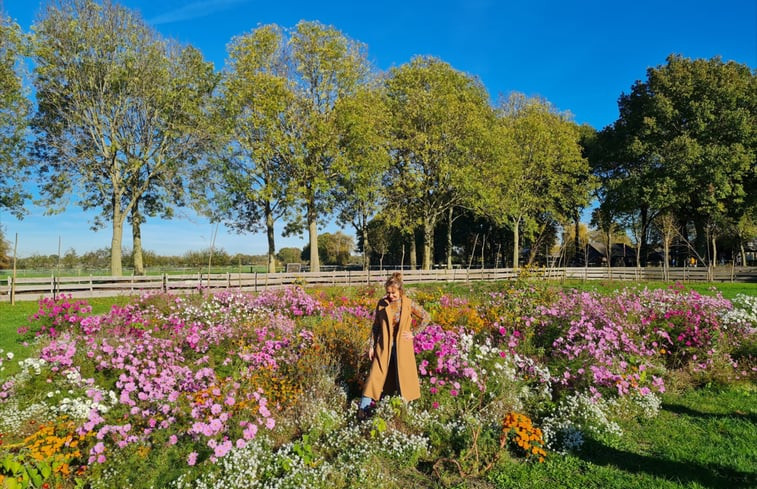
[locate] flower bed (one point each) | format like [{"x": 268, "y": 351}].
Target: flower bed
[{"x": 236, "y": 390}]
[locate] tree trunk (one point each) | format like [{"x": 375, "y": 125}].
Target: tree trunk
[
  {"x": 449, "y": 239},
  {"x": 271, "y": 238},
  {"x": 483, "y": 248},
  {"x": 428, "y": 240},
  {"x": 115, "y": 244},
  {"x": 666, "y": 256},
  {"x": 700, "y": 241},
  {"x": 413, "y": 252},
  {"x": 642, "y": 252},
  {"x": 315, "y": 265},
  {"x": 608, "y": 252},
  {"x": 516, "y": 243},
  {"x": 366, "y": 243},
  {"x": 714, "y": 250},
  {"x": 743, "y": 253},
  {"x": 136, "y": 233},
  {"x": 576, "y": 241}
]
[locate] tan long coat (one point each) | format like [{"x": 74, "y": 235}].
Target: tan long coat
[{"x": 407, "y": 370}]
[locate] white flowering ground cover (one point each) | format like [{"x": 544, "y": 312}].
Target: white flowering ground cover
[{"x": 237, "y": 390}]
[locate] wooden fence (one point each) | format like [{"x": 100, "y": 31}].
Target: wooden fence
[{"x": 99, "y": 286}]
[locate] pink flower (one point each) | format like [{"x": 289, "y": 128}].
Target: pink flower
[
  {"x": 223, "y": 448},
  {"x": 192, "y": 458},
  {"x": 250, "y": 432}
]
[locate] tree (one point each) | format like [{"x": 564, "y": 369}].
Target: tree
[
  {"x": 334, "y": 249},
  {"x": 14, "y": 111},
  {"x": 363, "y": 123},
  {"x": 441, "y": 123},
  {"x": 745, "y": 229},
  {"x": 328, "y": 66},
  {"x": 121, "y": 116},
  {"x": 257, "y": 103},
  {"x": 289, "y": 255},
  {"x": 380, "y": 235},
  {"x": 5, "y": 250},
  {"x": 540, "y": 172},
  {"x": 686, "y": 143}
]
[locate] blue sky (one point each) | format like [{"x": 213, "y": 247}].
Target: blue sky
[{"x": 580, "y": 55}]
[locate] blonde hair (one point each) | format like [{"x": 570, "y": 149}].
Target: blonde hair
[{"x": 395, "y": 281}]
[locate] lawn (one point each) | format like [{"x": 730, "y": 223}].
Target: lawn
[{"x": 702, "y": 438}]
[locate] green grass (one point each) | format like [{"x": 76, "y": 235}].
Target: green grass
[
  {"x": 14, "y": 316},
  {"x": 705, "y": 438},
  {"x": 729, "y": 290}
]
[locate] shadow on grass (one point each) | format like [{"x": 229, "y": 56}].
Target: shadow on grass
[
  {"x": 712, "y": 475},
  {"x": 687, "y": 411}
]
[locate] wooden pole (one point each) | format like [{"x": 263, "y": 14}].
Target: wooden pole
[
  {"x": 210, "y": 258},
  {"x": 473, "y": 252}
]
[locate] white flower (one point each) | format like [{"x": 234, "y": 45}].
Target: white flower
[{"x": 10, "y": 355}]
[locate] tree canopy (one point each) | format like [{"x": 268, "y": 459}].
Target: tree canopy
[
  {"x": 14, "y": 111},
  {"x": 685, "y": 143},
  {"x": 120, "y": 113}
]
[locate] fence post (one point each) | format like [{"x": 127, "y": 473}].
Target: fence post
[
  {"x": 228, "y": 280},
  {"x": 256, "y": 282},
  {"x": 91, "y": 287},
  {"x": 12, "y": 285},
  {"x": 165, "y": 283},
  {"x": 349, "y": 278}
]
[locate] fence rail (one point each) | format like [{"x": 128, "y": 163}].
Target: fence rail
[{"x": 28, "y": 288}]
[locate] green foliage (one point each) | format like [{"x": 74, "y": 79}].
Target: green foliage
[
  {"x": 121, "y": 114},
  {"x": 441, "y": 135},
  {"x": 364, "y": 122},
  {"x": 685, "y": 144},
  {"x": 5, "y": 250},
  {"x": 289, "y": 255},
  {"x": 333, "y": 249},
  {"x": 540, "y": 170},
  {"x": 14, "y": 110},
  {"x": 328, "y": 66}
]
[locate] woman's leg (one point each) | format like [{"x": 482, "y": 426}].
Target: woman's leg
[{"x": 365, "y": 403}]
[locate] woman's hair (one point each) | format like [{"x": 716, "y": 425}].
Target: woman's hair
[{"x": 394, "y": 281}]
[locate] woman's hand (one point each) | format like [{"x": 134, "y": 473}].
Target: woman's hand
[
  {"x": 407, "y": 335},
  {"x": 370, "y": 354}
]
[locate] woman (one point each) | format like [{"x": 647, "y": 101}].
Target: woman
[{"x": 392, "y": 355}]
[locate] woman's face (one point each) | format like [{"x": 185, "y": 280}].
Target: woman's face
[{"x": 392, "y": 293}]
